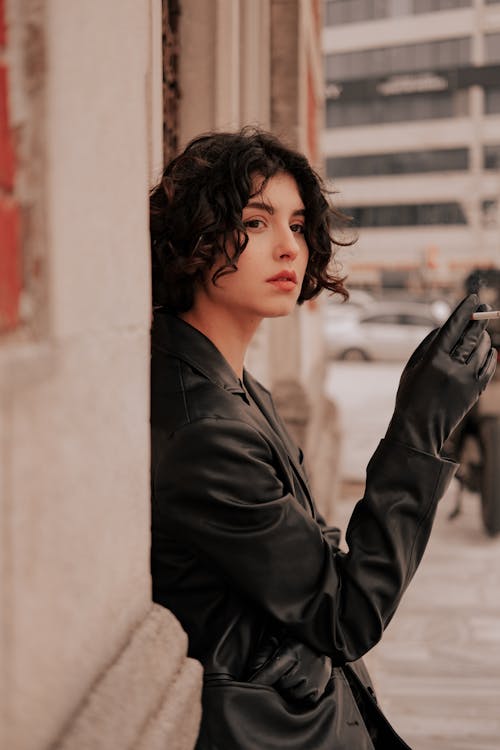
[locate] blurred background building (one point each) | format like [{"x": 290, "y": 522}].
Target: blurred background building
[{"x": 412, "y": 137}]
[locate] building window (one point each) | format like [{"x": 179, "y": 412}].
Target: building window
[
  {"x": 408, "y": 215},
  {"x": 405, "y": 108},
  {"x": 428, "y": 6},
  {"x": 491, "y": 157},
  {"x": 492, "y": 100},
  {"x": 339, "y": 12},
  {"x": 406, "y": 58},
  {"x": 492, "y": 47},
  {"x": 405, "y": 162},
  {"x": 489, "y": 213}
]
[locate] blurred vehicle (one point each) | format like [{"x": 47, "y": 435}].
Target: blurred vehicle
[
  {"x": 478, "y": 438},
  {"x": 359, "y": 301},
  {"x": 389, "y": 331}
]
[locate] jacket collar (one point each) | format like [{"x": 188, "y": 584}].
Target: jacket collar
[
  {"x": 264, "y": 401},
  {"x": 174, "y": 336}
]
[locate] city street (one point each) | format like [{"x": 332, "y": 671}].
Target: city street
[
  {"x": 365, "y": 396},
  {"x": 437, "y": 669}
]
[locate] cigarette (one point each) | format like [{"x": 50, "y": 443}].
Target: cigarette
[{"x": 488, "y": 315}]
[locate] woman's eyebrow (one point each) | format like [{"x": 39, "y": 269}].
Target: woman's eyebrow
[
  {"x": 260, "y": 206},
  {"x": 270, "y": 210}
]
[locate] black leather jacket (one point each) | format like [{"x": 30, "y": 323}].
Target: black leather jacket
[{"x": 242, "y": 558}]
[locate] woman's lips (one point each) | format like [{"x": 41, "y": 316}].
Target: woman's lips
[{"x": 286, "y": 281}]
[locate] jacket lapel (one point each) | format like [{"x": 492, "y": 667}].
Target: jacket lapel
[
  {"x": 266, "y": 406},
  {"x": 177, "y": 338}
]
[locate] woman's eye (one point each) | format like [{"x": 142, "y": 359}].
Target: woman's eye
[
  {"x": 253, "y": 223},
  {"x": 298, "y": 228}
]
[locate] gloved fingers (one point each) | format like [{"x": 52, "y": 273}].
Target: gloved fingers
[
  {"x": 487, "y": 371},
  {"x": 480, "y": 354},
  {"x": 453, "y": 330},
  {"x": 282, "y": 662},
  {"x": 307, "y": 680},
  {"x": 422, "y": 349},
  {"x": 466, "y": 346}
]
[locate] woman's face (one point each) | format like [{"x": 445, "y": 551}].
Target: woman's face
[{"x": 271, "y": 269}]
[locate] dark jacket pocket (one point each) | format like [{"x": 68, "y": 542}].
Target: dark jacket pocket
[{"x": 248, "y": 715}]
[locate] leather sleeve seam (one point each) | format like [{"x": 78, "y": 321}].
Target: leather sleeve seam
[{"x": 424, "y": 518}]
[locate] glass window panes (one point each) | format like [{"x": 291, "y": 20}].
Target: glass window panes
[
  {"x": 408, "y": 58},
  {"x": 339, "y": 12},
  {"x": 461, "y": 103},
  {"x": 489, "y": 213},
  {"x": 446, "y": 54},
  {"x": 409, "y": 162},
  {"x": 405, "y": 108},
  {"x": 491, "y": 157},
  {"x": 492, "y": 100},
  {"x": 464, "y": 51},
  {"x": 408, "y": 215},
  {"x": 492, "y": 48}
]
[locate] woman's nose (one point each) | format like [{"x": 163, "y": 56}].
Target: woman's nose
[{"x": 286, "y": 244}]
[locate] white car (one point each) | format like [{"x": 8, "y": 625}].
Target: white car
[
  {"x": 359, "y": 302},
  {"x": 389, "y": 331}
]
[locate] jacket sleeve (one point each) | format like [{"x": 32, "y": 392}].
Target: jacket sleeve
[{"x": 216, "y": 490}]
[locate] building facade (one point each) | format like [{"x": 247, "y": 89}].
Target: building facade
[{"x": 412, "y": 136}]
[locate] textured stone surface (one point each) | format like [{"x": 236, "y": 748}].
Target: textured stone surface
[
  {"x": 176, "y": 724},
  {"x": 97, "y": 134},
  {"x": 78, "y": 465},
  {"x": 323, "y": 455},
  {"x": 75, "y": 467},
  {"x": 148, "y": 696}
]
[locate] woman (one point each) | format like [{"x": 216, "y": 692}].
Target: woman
[{"x": 276, "y": 613}]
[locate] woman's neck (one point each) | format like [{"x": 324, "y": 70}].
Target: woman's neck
[{"x": 229, "y": 334}]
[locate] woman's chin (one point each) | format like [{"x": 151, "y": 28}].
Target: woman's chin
[{"x": 285, "y": 307}]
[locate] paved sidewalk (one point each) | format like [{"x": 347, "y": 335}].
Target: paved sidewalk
[{"x": 437, "y": 669}]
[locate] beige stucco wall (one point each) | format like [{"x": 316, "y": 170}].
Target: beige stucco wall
[{"x": 74, "y": 406}]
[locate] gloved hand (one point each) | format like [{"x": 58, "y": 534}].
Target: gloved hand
[
  {"x": 442, "y": 380},
  {"x": 296, "y": 671}
]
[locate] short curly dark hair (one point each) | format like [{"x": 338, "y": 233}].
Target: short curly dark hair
[{"x": 198, "y": 204}]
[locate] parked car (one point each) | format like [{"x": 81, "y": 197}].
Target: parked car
[
  {"x": 389, "y": 331},
  {"x": 359, "y": 302}
]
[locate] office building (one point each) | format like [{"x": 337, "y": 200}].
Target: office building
[{"x": 412, "y": 137}]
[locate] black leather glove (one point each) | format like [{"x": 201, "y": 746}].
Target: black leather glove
[
  {"x": 442, "y": 380},
  {"x": 296, "y": 671}
]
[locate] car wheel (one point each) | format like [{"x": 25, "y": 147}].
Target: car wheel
[{"x": 354, "y": 355}]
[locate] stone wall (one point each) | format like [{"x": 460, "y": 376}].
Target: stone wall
[{"x": 87, "y": 661}]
